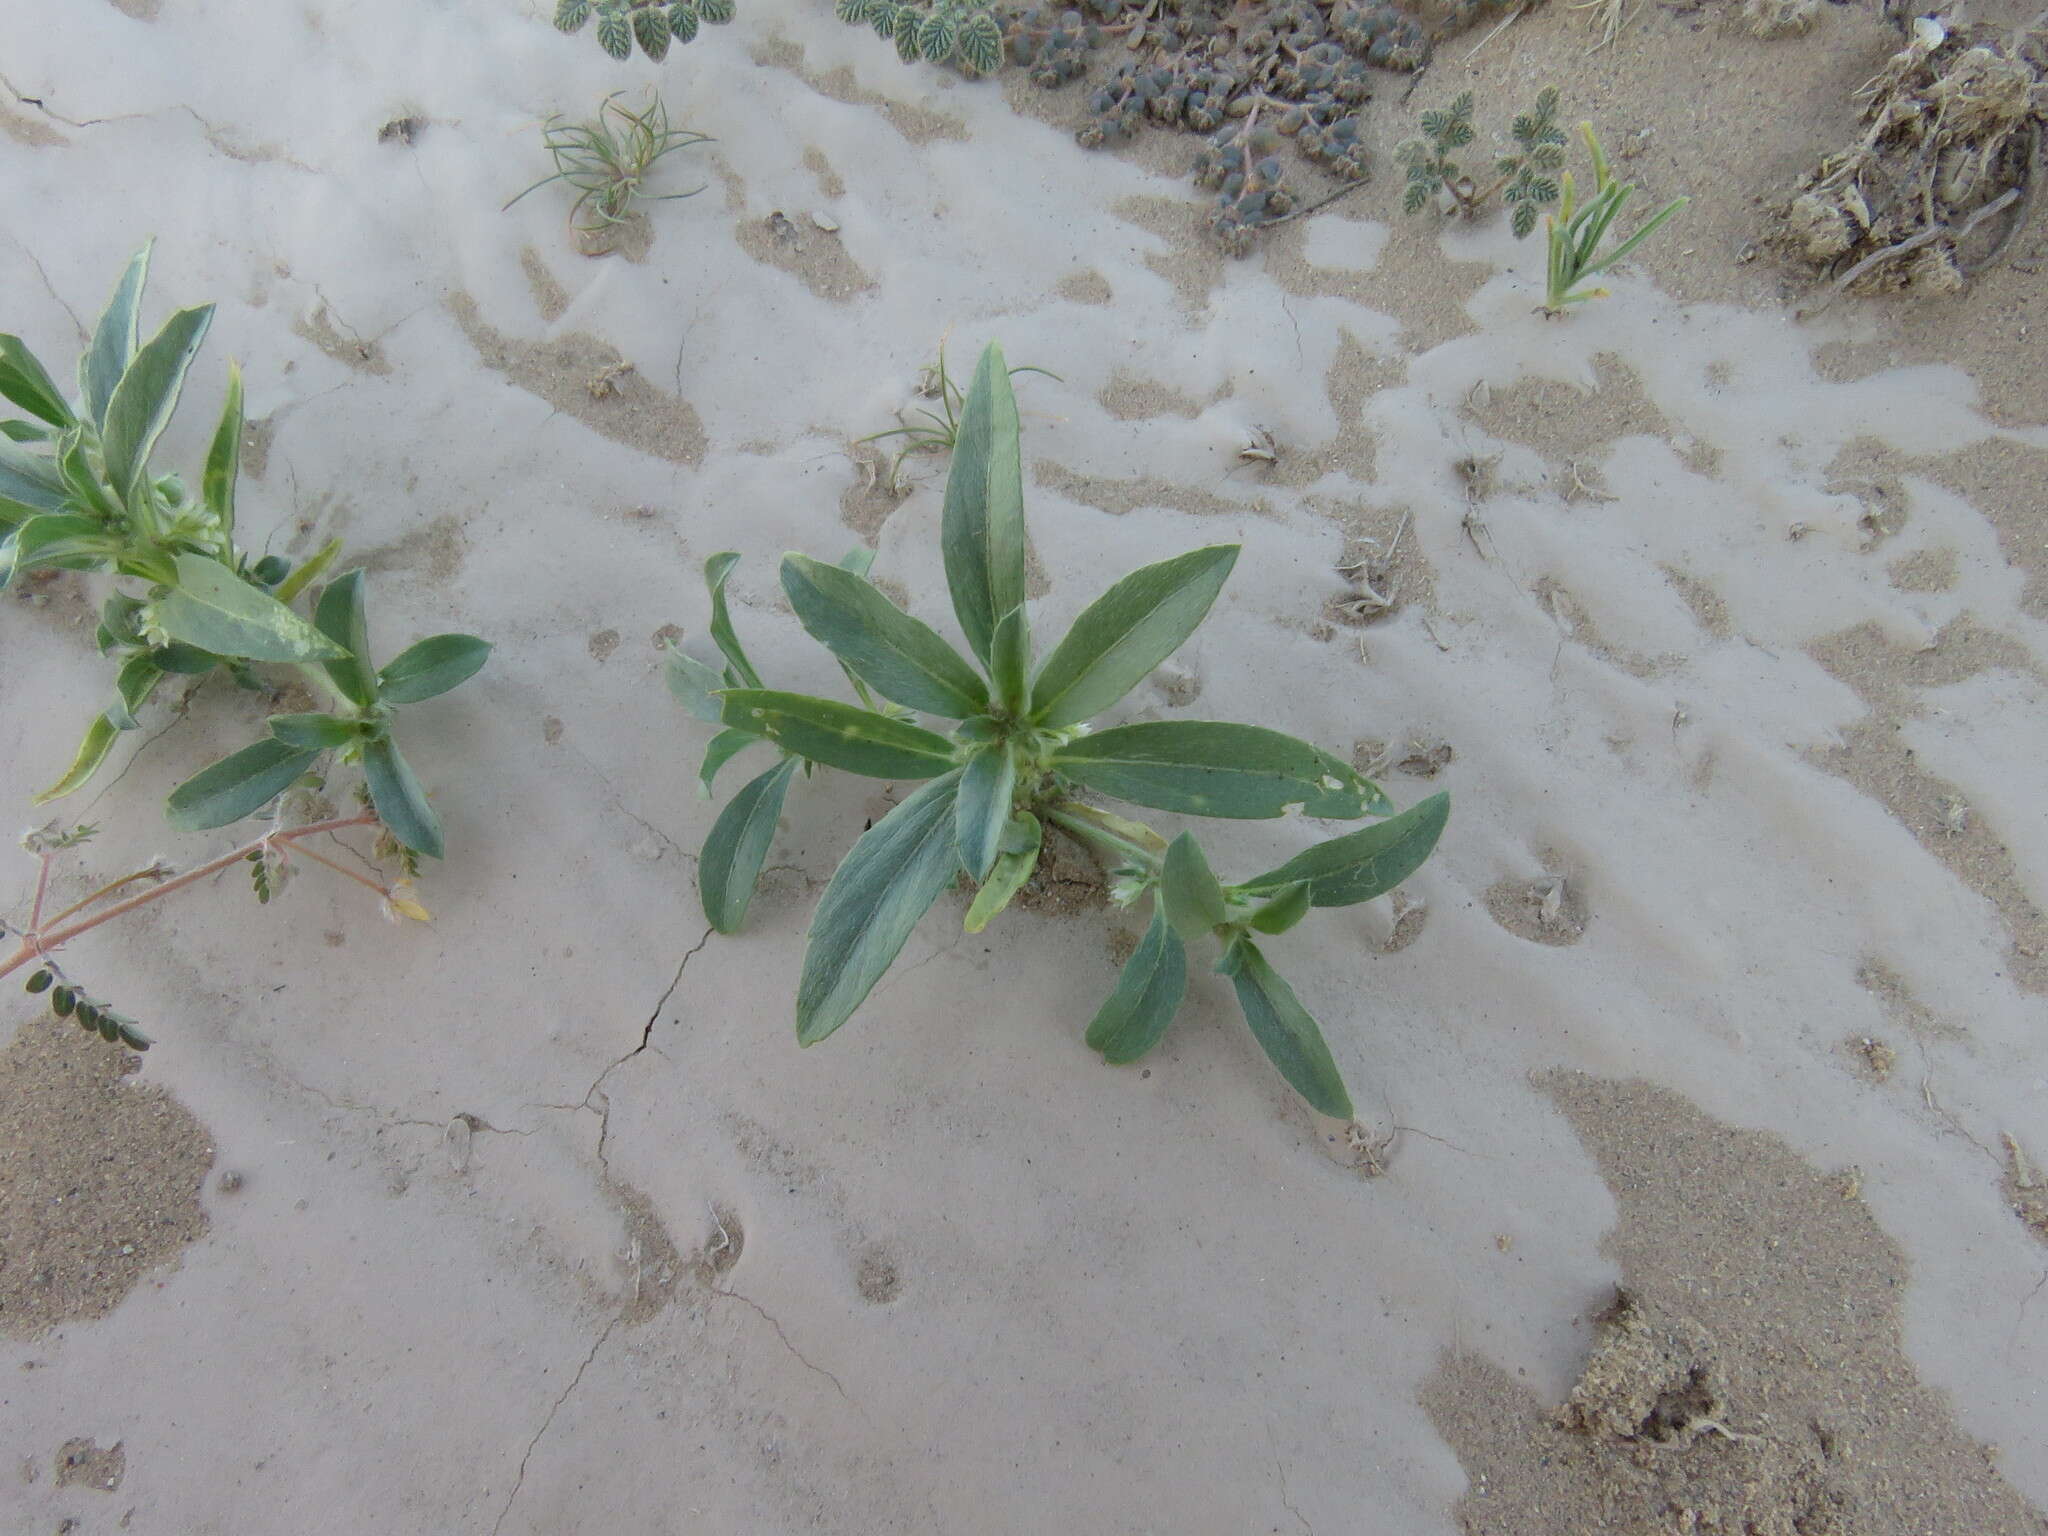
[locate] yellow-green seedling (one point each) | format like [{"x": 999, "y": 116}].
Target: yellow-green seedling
[{"x": 1577, "y": 229}]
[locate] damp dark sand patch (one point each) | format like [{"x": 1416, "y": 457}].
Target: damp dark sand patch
[
  {"x": 102, "y": 1177},
  {"x": 1568, "y": 425},
  {"x": 1873, "y": 756},
  {"x": 1118, "y": 497},
  {"x": 1748, "y": 1377},
  {"x": 592, "y": 381},
  {"x": 2007, "y": 482},
  {"x": 799, "y": 243}
]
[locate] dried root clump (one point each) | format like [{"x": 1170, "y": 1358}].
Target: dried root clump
[
  {"x": 1945, "y": 172},
  {"x": 1780, "y": 18}
]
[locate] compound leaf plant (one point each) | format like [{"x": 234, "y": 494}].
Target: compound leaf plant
[{"x": 1015, "y": 763}]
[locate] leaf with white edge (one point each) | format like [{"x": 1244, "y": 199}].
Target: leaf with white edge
[
  {"x": 239, "y": 785},
  {"x": 1215, "y": 768},
  {"x": 100, "y": 737},
  {"x": 63, "y": 541},
  {"x": 1189, "y": 893},
  {"x": 431, "y": 667},
  {"x": 103, "y": 362},
  {"x": 31, "y": 482},
  {"x": 1148, "y": 994},
  {"x": 142, "y": 402},
  {"x": 224, "y": 457},
  {"x": 313, "y": 732},
  {"x": 1127, "y": 632},
  {"x": 1361, "y": 865},
  {"x": 213, "y": 608},
  {"x": 400, "y": 802},
  {"x": 738, "y": 846},
  {"x": 839, "y": 735},
  {"x": 1285, "y": 1030},
  {"x": 983, "y": 811},
  {"x": 1009, "y": 662},
  {"x": 24, "y": 381},
  {"x": 1021, "y": 842},
  {"x": 694, "y": 685},
  {"x": 982, "y": 526},
  {"x": 724, "y": 747},
  {"x": 889, "y": 880},
  {"x": 717, "y": 570},
  {"x": 901, "y": 657}
]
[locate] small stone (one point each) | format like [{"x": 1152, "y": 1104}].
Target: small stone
[{"x": 826, "y": 222}]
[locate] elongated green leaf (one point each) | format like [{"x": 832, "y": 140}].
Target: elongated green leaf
[
  {"x": 184, "y": 660},
  {"x": 31, "y": 481},
  {"x": 716, "y": 572},
  {"x": 982, "y": 529},
  {"x": 858, "y": 560},
  {"x": 100, "y": 737},
  {"x": 983, "y": 811},
  {"x": 1363, "y": 864},
  {"x": 725, "y": 746},
  {"x": 238, "y": 785},
  {"x": 1215, "y": 768},
  {"x": 133, "y": 684},
  {"x": 431, "y": 667},
  {"x": 1021, "y": 842},
  {"x": 1286, "y": 907},
  {"x": 839, "y": 735},
  {"x": 1126, "y": 632},
  {"x": 1147, "y": 996},
  {"x": 213, "y": 608},
  {"x": 1189, "y": 894},
  {"x": 340, "y": 616},
  {"x": 224, "y": 457},
  {"x": 16, "y": 430},
  {"x": 147, "y": 394},
  {"x": 63, "y": 540},
  {"x": 877, "y": 896},
  {"x": 1009, "y": 662},
  {"x": 307, "y": 571},
  {"x": 902, "y": 658},
  {"x": 400, "y": 802},
  {"x": 80, "y": 480},
  {"x": 1285, "y": 1030},
  {"x": 1139, "y": 836},
  {"x": 313, "y": 733},
  {"x": 113, "y": 338},
  {"x": 694, "y": 685},
  {"x": 738, "y": 847},
  {"x": 24, "y": 381}
]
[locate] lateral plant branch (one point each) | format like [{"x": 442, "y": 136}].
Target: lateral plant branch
[{"x": 1019, "y": 758}]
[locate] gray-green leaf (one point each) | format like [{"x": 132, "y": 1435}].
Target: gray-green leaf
[
  {"x": 142, "y": 402},
  {"x": 1009, "y": 662},
  {"x": 982, "y": 528},
  {"x": 724, "y": 747},
  {"x": 1189, "y": 893},
  {"x": 716, "y": 572},
  {"x": 1363, "y": 864},
  {"x": 113, "y": 339},
  {"x": 902, "y": 658},
  {"x": 1216, "y": 768},
  {"x": 341, "y": 618},
  {"x": 839, "y": 735},
  {"x": 238, "y": 785},
  {"x": 1285, "y": 1030},
  {"x": 431, "y": 667},
  {"x": 1020, "y": 844},
  {"x": 312, "y": 732},
  {"x": 877, "y": 896},
  {"x": 694, "y": 685},
  {"x": 1127, "y": 632},
  {"x": 213, "y": 608},
  {"x": 738, "y": 846},
  {"x": 1147, "y": 996},
  {"x": 224, "y": 457},
  {"x": 400, "y": 802},
  {"x": 983, "y": 813}
]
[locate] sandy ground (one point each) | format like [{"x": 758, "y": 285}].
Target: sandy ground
[{"x": 1704, "y": 1092}]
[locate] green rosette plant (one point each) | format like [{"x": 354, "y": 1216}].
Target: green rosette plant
[
  {"x": 77, "y": 494},
  {"x": 1016, "y": 763}
]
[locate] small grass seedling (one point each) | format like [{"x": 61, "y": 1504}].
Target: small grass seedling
[
  {"x": 1576, "y": 231},
  {"x": 935, "y": 433},
  {"x": 608, "y": 159},
  {"x": 1018, "y": 762}
]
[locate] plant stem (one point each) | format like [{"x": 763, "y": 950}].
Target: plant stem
[
  {"x": 37, "y": 945},
  {"x": 100, "y": 894},
  {"x": 35, "y": 917},
  {"x": 1099, "y": 837}
]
